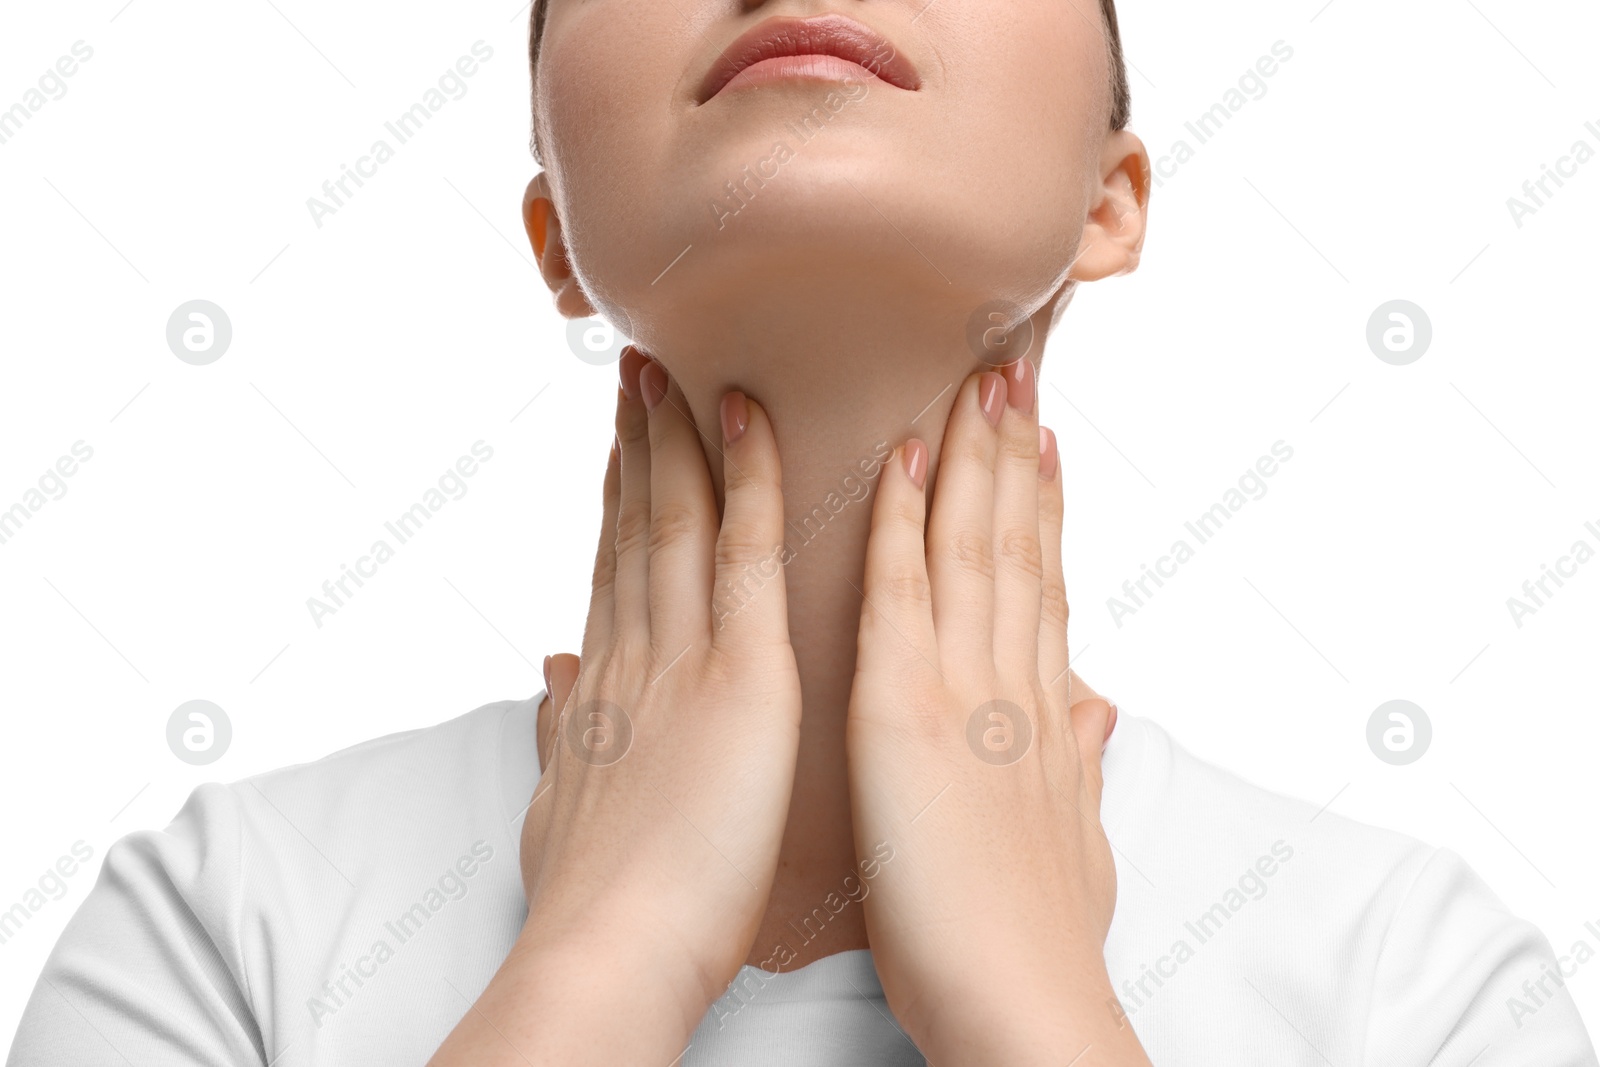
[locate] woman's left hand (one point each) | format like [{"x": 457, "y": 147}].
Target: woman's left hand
[{"x": 988, "y": 929}]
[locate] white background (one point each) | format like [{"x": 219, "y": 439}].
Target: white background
[{"x": 370, "y": 354}]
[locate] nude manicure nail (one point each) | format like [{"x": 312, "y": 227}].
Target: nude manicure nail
[
  {"x": 1021, "y": 384},
  {"x": 1049, "y": 454},
  {"x": 735, "y": 416},
  {"x": 633, "y": 362},
  {"x": 652, "y": 384},
  {"x": 916, "y": 462},
  {"x": 992, "y": 396}
]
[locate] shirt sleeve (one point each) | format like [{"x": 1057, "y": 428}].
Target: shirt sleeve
[
  {"x": 1461, "y": 981},
  {"x": 147, "y": 970}
]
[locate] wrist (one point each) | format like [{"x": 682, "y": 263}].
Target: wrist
[
  {"x": 554, "y": 1001},
  {"x": 662, "y": 981},
  {"x": 1033, "y": 1017}
]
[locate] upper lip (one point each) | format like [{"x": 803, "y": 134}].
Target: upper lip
[{"x": 824, "y": 35}]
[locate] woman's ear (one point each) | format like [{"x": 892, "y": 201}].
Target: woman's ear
[
  {"x": 1113, "y": 233},
  {"x": 544, "y": 233}
]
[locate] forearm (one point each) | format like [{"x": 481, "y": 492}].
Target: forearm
[
  {"x": 574, "y": 1005},
  {"x": 1057, "y": 1020}
]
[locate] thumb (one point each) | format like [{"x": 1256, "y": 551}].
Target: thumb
[
  {"x": 560, "y": 676},
  {"x": 1092, "y": 723}
]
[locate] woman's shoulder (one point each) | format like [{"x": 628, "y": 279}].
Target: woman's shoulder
[
  {"x": 489, "y": 750},
  {"x": 259, "y": 915},
  {"x": 1195, "y": 807},
  {"x": 1269, "y": 904},
  {"x": 1195, "y": 823},
  {"x": 353, "y": 815}
]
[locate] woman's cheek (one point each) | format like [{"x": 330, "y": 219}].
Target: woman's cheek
[{"x": 608, "y": 111}]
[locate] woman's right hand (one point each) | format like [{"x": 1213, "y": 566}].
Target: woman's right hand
[{"x": 652, "y": 839}]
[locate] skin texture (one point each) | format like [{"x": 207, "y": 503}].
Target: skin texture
[{"x": 839, "y": 295}]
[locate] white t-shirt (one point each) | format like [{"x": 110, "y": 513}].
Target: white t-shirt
[{"x": 348, "y": 912}]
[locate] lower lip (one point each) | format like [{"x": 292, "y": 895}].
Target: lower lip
[{"x": 800, "y": 68}]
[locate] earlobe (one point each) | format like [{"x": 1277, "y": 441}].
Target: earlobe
[
  {"x": 1113, "y": 233},
  {"x": 543, "y": 225}
]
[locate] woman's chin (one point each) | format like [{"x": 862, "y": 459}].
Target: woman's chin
[{"x": 820, "y": 253}]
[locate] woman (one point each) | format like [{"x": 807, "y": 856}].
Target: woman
[{"x": 822, "y": 787}]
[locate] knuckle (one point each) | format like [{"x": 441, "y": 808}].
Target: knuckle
[
  {"x": 1051, "y": 507},
  {"x": 633, "y": 432},
  {"x": 1020, "y": 449},
  {"x": 633, "y": 525},
  {"x": 753, "y": 663},
  {"x": 659, "y": 431},
  {"x": 738, "y": 546},
  {"x": 671, "y": 523},
  {"x": 910, "y": 510},
  {"x": 1020, "y": 548},
  {"x": 972, "y": 551},
  {"x": 1053, "y": 603},
  {"x": 751, "y": 476},
  {"x": 973, "y": 450},
  {"x": 904, "y": 585},
  {"x": 737, "y": 479},
  {"x": 725, "y": 667}
]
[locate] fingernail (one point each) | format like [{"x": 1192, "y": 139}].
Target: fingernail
[
  {"x": 547, "y": 688},
  {"x": 735, "y": 416},
  {"x": 915, "y": 457},
  {"x": 992, "y": 396},
  {"x": 1049, "y": 454},
  {"x": 633, "y": 362},
  {"x": 1111, "y": 720},
  {"x": 1021, "y": 384},
  {"x": 652, "y": 384},
  {"x": 539, "y": 222}
]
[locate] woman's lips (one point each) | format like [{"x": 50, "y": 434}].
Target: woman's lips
[
  {"x": 812, "y": 66},
  {"x": 829, "y": 47}
]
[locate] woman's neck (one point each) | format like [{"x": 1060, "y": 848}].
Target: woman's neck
[{"x": 842, "y": 392}]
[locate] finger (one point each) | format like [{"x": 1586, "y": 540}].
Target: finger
[
  {"x": 1092, "y": 720},
  {"x": 563, "y": 679},
  {"x": 597, "y": 629},
  {"x": 544, "y": 721},
  {"x": 545, "y": 731},
  {"x": 750, "y": 606},
  {"x": 960, "y": 546},
  {"x": 632, "y": 586},
  {"x": 683, "y": 517},
  {"x": 1054, "y": 656},
  {"x": 897, "y": 629},
  {"x": 562, "y": 673},
  {"x": 1019, "y": 562}
]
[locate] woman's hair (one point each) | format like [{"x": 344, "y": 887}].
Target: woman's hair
[{"x": 1121, "y": 96}]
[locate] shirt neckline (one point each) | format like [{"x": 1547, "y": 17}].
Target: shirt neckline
[{"x": 851, "y": 973}]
